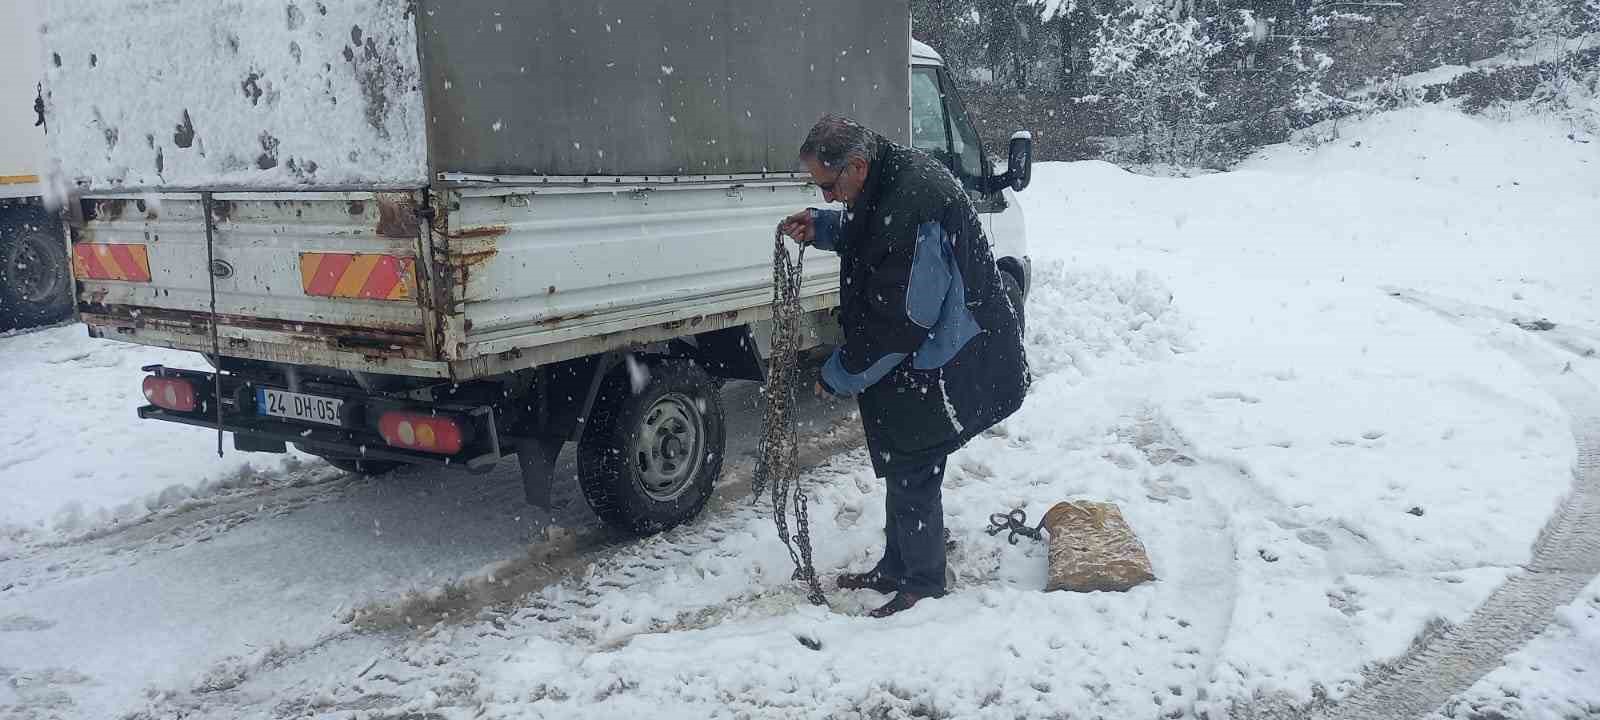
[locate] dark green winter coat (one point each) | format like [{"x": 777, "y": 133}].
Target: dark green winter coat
[{"x": 933, "y": 349}]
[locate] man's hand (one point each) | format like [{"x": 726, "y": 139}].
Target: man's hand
[{"x": 800, "y": 227}]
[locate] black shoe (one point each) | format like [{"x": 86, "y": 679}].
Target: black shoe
[
  {"x": 902, "y": 601},
  {"x": 868, "y": 581}
]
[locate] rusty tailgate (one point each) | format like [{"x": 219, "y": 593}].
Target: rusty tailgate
[{"x": 328, "y": 278}]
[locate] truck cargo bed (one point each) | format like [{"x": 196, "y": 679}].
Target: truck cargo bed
[
  {"x": 449, "y": 190},
  {"x": 466, "y": 281}
]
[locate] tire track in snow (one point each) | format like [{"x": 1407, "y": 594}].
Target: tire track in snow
[
  {"x": 1221, "y": 483},
  {"x": 556, "y": 592},
  {"x": 1215, "y": 584},
  {"x": 1566, "y": 557},
  {"x": 253, "y": 496},
  {"x": 566, "y": 555},
  {"x": 192, "y": 521},
  {"x": 573, "y": 608},
  {"x": 562, "y": 601}
]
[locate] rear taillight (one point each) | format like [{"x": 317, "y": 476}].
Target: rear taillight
[
  {"x": 440, "y": 434},
  {"x": 174, "y": 394}
]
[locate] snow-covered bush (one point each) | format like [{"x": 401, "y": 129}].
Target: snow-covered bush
[
  {"x": 1586, "y": 16},
  {"x": 1584, "y": 93},
  {"x": 1392, "y": 93},
  {"x": 1552, "y": 36},
  {"x": 1153, "y": 61},
  {"x": 1309, "y": 65},
  {"x": 1203, "y": 88},
  {"x": 1540, "y": 27}
]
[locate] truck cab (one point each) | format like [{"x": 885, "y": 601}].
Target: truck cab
[{"x": 941, "y": 127}]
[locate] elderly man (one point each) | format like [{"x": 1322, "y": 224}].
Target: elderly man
[{"x": 932, "y": 348}]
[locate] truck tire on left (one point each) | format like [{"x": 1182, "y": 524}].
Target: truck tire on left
[{"x": 35, "y": 276}]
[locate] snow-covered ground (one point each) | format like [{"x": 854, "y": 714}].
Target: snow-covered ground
[
  {"x": 77, "y": 459},
  {"x": 1556, "y": 676},
  {"x": 1318, "y": 470}
]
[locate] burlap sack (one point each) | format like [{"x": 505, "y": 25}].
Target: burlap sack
[{"x": 1092, "y": 548}]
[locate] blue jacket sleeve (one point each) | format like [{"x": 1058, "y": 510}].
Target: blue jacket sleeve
[
  {"x": 825, "y": 228},
  {"x": 904, "y": 302},
  {"x": 840, "y": 381}
]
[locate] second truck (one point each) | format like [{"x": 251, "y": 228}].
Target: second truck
[
  {"x": 417, "y": 232},
  {"x": 35, "y": 277}
]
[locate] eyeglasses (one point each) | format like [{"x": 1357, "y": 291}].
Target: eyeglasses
[{"x": 828, "y": 187}]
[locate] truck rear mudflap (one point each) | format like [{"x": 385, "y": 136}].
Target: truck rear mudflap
[{"x": 324, "y": 420}]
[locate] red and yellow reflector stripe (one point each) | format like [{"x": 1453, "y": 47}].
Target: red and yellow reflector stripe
[
  {"x": 107, "y": 261},
  {"x": 352, "y": 275}
]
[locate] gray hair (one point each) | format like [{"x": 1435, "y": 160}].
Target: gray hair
[{"x": 836, "y": 140}]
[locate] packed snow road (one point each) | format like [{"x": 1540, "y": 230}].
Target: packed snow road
[
  {"x": 1326, "y": 478},
  {"x": 289, "y": 556}
]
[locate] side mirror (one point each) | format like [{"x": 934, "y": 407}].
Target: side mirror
[{"x": 1019, "y": 165}]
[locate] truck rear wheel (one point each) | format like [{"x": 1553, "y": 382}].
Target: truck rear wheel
[
  {"x": 648, "y": 460},
  {"x": 35, "y": 277}
]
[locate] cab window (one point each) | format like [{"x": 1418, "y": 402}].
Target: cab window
[
  {"x": 940, "y": 126},
  {"x": 966, "y": 149},
  {"x": 928, "y": 129}
]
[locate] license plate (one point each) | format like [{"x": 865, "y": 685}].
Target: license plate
[{"x": 298, "y": 406}]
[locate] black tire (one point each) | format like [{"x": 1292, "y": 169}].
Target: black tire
[
  {"x": 363, "y": 467},
  {"x": 649, "y": 460},
  {"x": 35, "y": 275},
  {"x": 1018, "y": 298}
]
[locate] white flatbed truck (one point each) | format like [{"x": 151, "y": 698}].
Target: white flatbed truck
[{"x": 497, "y": 210}]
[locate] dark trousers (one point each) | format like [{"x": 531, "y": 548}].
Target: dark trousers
[{"x": 914, "y": 529}]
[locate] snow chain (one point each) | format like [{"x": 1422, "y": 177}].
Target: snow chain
[
  {"x": 1015, "y": 522},
  {"x": 777, "y": 463}
]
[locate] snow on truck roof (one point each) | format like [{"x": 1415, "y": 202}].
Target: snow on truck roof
[
  {"x": 921, "y": 51},
  {"x": 378, "y": 92}
]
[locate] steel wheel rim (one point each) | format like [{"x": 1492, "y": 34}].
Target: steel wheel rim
[
  {"x": 31, "y": 271},
  {"x": 670, "y": 447}
]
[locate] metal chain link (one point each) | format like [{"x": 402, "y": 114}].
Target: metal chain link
[
  {"x": 777, "y": 463},
  {"x": 1016, "y": 522}
]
